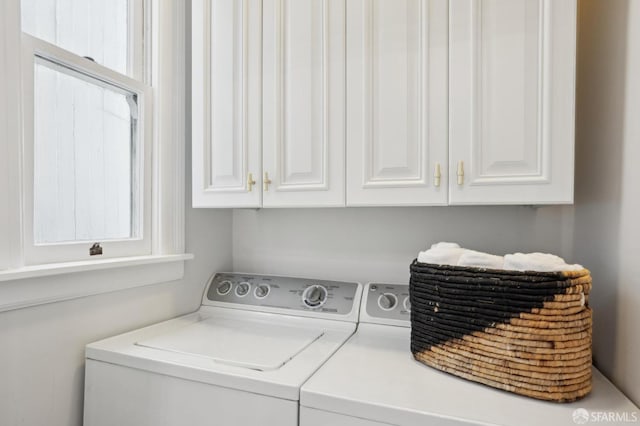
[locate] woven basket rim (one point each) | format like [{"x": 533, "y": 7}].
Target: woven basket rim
[{"x": 503, "y": 272}]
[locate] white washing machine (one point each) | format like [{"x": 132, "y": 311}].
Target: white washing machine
[
  {"x": 373, "y": 380},
  {"x": 239, "y": 360}
]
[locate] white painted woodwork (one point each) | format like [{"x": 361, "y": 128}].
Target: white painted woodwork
[
  {"x": 226, "y": 99},
  {"x": 86, "y": 185},
  {"x": 83, "y": 209},
  {"x": 42, "y": 284},
  {"x": 304, "y": 102},
  {"x": 396, "y": 102},
  {"x": 83, "y": 148},
  {"x": 512, "y": 101},
  {"x": 460, "y": 102},
  {"x": 10, "y": 247},
  {"x": 165, "y": 71},
  {"x": 5, "y": 246},
  {"x": 96, "y": 211}
]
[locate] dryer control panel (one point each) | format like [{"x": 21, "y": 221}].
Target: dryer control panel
[
  {"x": 387, "y": 303},
  {"x": 283, "y": 293}
]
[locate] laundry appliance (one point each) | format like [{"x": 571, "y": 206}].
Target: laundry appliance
[
  {"x": 373, "y": 380},
  {"x": 239, "y": 360}
]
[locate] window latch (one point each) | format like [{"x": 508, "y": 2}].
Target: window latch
[{"x": 95, "y": 250}]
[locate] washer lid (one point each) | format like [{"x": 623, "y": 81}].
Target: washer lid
[{"x": 243, "y": 343}]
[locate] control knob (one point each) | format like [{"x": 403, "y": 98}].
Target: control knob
[
  {"x": 224, "y": 287},
  {"x": 261, "y": 291},
  {"x": 314, "y": 296},
  {"x": 387, "y": 301},
  {"x": 407, "y": 304},
  {"x": 242, "y": 289}
]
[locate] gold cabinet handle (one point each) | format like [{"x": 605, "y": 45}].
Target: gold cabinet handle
[
  {"x": 437, "y": 175},
  {"x": 266, "y": 181},
  {"x": 250, "y": 182},
  {"x": 460, "y": 173}
]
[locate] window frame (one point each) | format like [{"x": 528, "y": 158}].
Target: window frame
[
  {"x": 10, "y": 133},
  {"x": 137, "y": 59},
  {"x": 165, "y": 55},
  {"x": 33, "y": 48}
]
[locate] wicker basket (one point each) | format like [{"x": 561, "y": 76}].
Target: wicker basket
[{"x": 523, "y": 332}]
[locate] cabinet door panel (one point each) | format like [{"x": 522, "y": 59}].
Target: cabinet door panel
[
  {"x": 396, "y": 101},
  {"x": 226, "y": 103},
  {"x": 303, "y": 142},
  {"x": 512, "y": 101}
]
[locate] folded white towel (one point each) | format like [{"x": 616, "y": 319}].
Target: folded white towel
[
  {"x": 541, "y": 262},
  {"x": 441, "y": 256},
  {"x": 444, "y": 245},
  {"x": 478, "y": 259},
  {"x": 445, "y": 253}
]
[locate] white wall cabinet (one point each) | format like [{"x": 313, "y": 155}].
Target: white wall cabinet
[
  {"x": 397, "y": 98},
  {"x": 510, "y": 98},
  {"x": 512, "y": 92},
  {"x": 303, "y": 103},
  {"x": 268, "y": 94},
  {"x": 383, "y": 102},
  {"x": 226, "y": 99}
]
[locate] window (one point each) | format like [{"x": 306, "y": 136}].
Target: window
[
  {"x": 87, "y": 154},
  {"x": 87, "y": 130},
  {"x": 85, "y": 133}
]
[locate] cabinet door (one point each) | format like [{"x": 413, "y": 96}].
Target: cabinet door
[
  {"x": 226, "y": 96},
  {"x": 303, "y": 117},
  {"x": 397, "y": 102},
  {"x": 512, "y": 101}
]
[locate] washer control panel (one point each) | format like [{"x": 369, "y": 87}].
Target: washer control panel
[
  {"x": 283, "y": 292},
  {"x": 389, "y": 301}
]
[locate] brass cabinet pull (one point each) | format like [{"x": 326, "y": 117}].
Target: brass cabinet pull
[
  {"x": 460, "y": 173},
  {"x": 437, "y": 175},
  {"x": 250, "y": 182},
  {"x": 266, "y": 181}
]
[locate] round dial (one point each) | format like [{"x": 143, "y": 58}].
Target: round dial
[
  {"x": 387, "y": 301},
  {"x": 224, "y": 287},
  {"x": 407, "y": 304},
  {"x": 261, "y": 291},
  {"x": 314, "y": 296},
  {"x": 242, "y": 289}
]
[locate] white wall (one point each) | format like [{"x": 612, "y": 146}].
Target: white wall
[
  {"x": 42, "y": 348},
  {"x": 607, "y": 210},
  {"x": 369, "y": 244}
]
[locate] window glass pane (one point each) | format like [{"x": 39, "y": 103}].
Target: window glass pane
[
  {"x": 94, "y": 28},
  {"x": 84, "y": 148}
]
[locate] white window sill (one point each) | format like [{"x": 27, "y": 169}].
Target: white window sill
[{"x": 38, "y": 285}]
